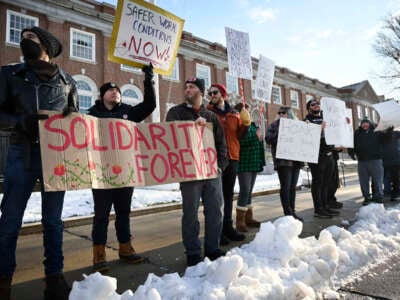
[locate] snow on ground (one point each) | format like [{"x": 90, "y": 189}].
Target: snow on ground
[{"x": 277, "y": 264}]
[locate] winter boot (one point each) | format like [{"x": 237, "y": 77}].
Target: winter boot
[
  {"x": 241, "y": 219},
  {"x": 250, "y": 221},
  {"x": 216, "y": 254},
  {"x": 5, "y": 288},
  {"x": 128, "y": 254},
  {"x": 231, "y": 233},
  {"x": 99, "y": 259},
  {"x": 56, "y": 287}
]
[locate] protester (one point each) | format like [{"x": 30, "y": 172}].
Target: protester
[
  {"x": 234, "y": 125},
  {"x": 251, "y": 161},
  {"x": 209, "y": 190},
  {"x": 37, "y": 84},
  {"x": 335, "y": 183},
  {"x": 110, "y": 106},
  {"x": 323, "y": 171},
  {"x": 288, "y": 170},
  {"x": 391, "y": 162},
  {"x": 368, "y": 148}
]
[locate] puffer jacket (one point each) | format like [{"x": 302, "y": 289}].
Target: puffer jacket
[
  {"x": 185, "y": 112},
  {"x": 22, "y": 93}
]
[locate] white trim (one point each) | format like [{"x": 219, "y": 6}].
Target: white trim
[
  {"x": 92, "y": 85},
  {"x": 130, "y": 69},
  {"x": 174, "y": 73},
  {"x": 297, "y": 93},
  {"x": 280, "y": 94},
  {"x": 71, "y": 45},
  {"x": 235, "y": 90},
  {"x": 207, "y": 81},
  {"x": 136, "y": 90},
  {"x": 11, "y": 12}
]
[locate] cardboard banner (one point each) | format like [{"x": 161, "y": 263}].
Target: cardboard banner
[
  {"x": 239, "y": 56},
  {"x": 81, "y": 151},
  {"x": 298, "y": 140},
  {"x": 334, "y": 114},
  {"x": 348, "y": 139},
  {"x": 144, "y": 33},
  {"x": 389, "y": 114},
  {"x": 264, "y": 80}
]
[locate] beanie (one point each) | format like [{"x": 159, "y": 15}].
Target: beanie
[
  {"x": 109, "y": 85},
  {"x": 49, "y": 41},
  {"x": 309, "y": 102},
  {"x": 199, "y": 82},
  {"x": 222, "y": 89}
]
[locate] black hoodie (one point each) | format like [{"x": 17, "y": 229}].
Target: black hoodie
[{"x": 368, "y": 143}]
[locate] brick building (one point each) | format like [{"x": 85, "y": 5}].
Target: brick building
[{"x": 84, "y": 27}]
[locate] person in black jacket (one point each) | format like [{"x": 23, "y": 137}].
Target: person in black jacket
[
  {"x": 37, "y": 84},
  {"x": 110, "y": 106},
  {"x": 208, "y": 190},
  {"x": 391, "y": 162},
  {"x": 323, "y": 171}
]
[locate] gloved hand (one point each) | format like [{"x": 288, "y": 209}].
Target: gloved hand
[
  {"x": 29, "y": 124},
  {"x": 67, "y": 110},
  {"x": 148, "y": 72},
  {"x": 245, "y": 117}
]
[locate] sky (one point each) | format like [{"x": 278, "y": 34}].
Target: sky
[
  {"x": 277, "y": 264},
  {"x": 328, "y": 40}
]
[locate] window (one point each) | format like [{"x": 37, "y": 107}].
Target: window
[
  {"x": 294, "y": 98},
  {"x": 366, "y": 109},
  {"x": 276, "y": 94},
  {"x": 131, "y": 94},
  {"x": 82, "y": 45},
  {"x": 374, "y": 116},
  {"x": 15, "y": 23},
  {"x": 359, "y": 112},
  {"x": 232, "y": 84},
  {"x": 175, "y": 71},
  {"x": 87, "y": 92},
  {"x": 131, "y": 69},
  {"x": 203, "y": 71}
]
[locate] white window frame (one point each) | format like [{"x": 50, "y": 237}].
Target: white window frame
[
  {"x": 366, "y": 111},
  {"x": 71, "y": 46},
  {"x": 8, "y": 25},
  {"x": 292, "y": 100},
  {"x": 130, "y": 69},
  {"x": 174, "y": 76},
  {"x": 374, "y": 116},
  {"x": 204, "y": 68},
  {"x": 232, "y": 84},
  {"x": 359, "y": 112},
  {"x": 128, "y": 100},
  {"x": 280, "y": 94},
  {"x": 91, "y": 83}
]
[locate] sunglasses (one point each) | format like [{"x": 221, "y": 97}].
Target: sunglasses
[
  {"x": 282, "y": 113},
  {"x": 314, "y": 104},
  {"x": 213, "y": 93}
]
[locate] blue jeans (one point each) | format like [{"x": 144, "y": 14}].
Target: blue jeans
[
  {"x": 103, "y": 200},
  {"x": 18, "y": 185},
  {"x": 246, "y": 183},
  {"x": 371, "y": 169},
  {"x": 210, "y": 192}
]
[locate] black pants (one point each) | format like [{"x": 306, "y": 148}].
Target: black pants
[
  {"x": 228, "y": 184},
  {"x": 322, "y": 174},
  {"x": 288, "y": 177},
  {"x": 395, "y": 179},
  {"x": 334, "y": 183}
]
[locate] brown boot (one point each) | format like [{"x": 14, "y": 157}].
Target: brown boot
[
  {"x": 128, "y": 254},
  {"x": 249, "y": 218},
  {"x": 5, "y": 288},
  {"x": 99, "y": 259},
  {"x": 241, "y": 219}
]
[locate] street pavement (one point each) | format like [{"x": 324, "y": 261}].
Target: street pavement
[{"x": 157, "y": 236}]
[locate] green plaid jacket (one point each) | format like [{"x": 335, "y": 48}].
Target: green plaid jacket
[{"x": 252, "y": 153}]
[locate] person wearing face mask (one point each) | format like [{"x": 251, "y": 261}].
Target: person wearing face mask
[
  {"x": 288, "y": 170},
  {"x": 37, "y": 84},
  {"x": 322, "y": 172},
  {"x": 110, "y": 106},
  {"x": 235, "y": 125}
]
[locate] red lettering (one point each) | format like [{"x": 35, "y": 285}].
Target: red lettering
[
  {"x": 212, "y": 159},
  {"x": 158, "y": 136},
  {"x": 185, "y": 128},
  {"x": 173, "y": 159},
  {"x": 74, "y": 123},
  {"x": 152, "y": 168},
  {"x": 173, "y": 132},
  {"x": 92, "y": 133},
  {"x": 140, "y": 137},
  {"x": 186, "y": 163},
  {"x": 139, "y": 166},
  {"x": 136, "y": 47},
  {"x": 112, "y": 137},
  {"x": 145, "y": 46},
  {"x": 119, "y": 126},
  {"x": 198, "y": 162},
  {"x": 200, "y": 129},
  {"x": 48, "y": 126},
  {"x": 160, "y": 55}
]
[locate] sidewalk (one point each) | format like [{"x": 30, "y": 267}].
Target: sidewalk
[{"x": 158, "y": 237}]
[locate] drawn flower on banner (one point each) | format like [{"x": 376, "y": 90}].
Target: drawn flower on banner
[
  {"x": 116, "y": 169},
  {"x": 59, "y": 170}
]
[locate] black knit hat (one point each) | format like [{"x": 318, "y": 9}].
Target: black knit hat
[
  {"x": 199, "y": 82},
  {"x": 49, "y": 41},
  {"x": 109, "y": 85},
  {"x": 309, "y": 102}
]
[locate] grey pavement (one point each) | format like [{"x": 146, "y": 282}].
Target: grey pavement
[{"x": 158, "y": 237}]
